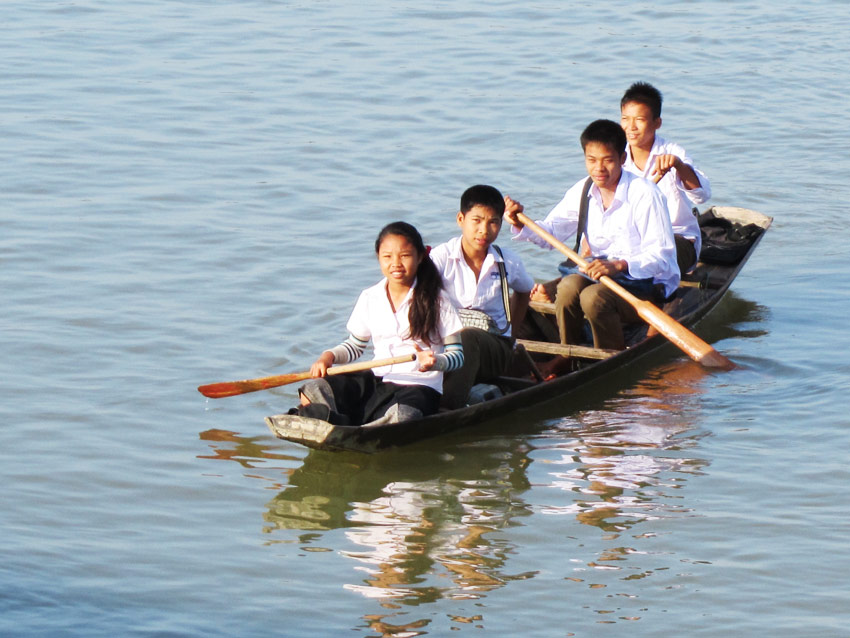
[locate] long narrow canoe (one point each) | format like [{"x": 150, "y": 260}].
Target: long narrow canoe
[{"x": 739, "y": 231}]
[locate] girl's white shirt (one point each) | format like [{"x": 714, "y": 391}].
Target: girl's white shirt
[{"x": 373, "y": 318}]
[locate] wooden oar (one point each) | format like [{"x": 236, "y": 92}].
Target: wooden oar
[
  {"x": 232, "y": 388},
  {"x": 687, "y": 341}
]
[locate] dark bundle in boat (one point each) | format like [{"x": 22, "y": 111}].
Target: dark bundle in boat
[{"x": 730, "y": 235}]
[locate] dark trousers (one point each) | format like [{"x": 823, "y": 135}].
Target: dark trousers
[
  {"x": 485, "y": 357},
  {"x": 362, "y": 397},
  {"x": 686, "y": 254}
]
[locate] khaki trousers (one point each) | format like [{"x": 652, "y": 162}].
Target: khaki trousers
[{"x": 577, "y": 298}]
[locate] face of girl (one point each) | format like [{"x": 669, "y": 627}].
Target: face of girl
[{"x": 399, "y": 260}]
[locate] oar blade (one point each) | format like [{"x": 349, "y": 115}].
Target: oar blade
[
  {"x": 220, "y": 390},
  {"x": 697, "y": 349},
  {"x": 714, "y": 359},
  {"x": 232, "y": 388}
]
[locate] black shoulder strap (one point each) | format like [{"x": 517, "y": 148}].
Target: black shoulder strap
[
  {"x": 503, "y": 275},
  {"x": 582, "y": 213}
]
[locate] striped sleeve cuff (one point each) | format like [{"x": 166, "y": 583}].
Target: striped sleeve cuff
[
  {"x": 349, "y": 350},
  {"x": 451, "y": 359}
]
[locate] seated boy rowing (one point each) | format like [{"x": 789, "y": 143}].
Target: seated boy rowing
[{"x": 627, "y": 232}]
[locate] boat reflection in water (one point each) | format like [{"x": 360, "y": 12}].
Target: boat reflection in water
[
  {"x": 413, "y": 535},
  {"x": 434, "y": 521}
]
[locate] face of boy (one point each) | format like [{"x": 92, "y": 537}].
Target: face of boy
[
  {"x": 479, "y": 228},
  {"x": 399, "y": 260},
  {"x": 604, "y": 165},
  {"x": 639, "y": 124}
]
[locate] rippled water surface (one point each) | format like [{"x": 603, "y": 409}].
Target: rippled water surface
[{"x": 190, "y": 191}]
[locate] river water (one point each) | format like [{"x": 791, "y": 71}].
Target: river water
[{"x": 190, "y": 191}]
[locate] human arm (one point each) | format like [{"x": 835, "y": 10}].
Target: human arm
[
  {"x": 512, "y": 207},
  {"x": 450, "y": 359},
  {"x": 605, "y": 267},
  {"x": 562, "y": 220},
  {"x": 687, "y": 177},
  {"x": 349, "y": 350}
]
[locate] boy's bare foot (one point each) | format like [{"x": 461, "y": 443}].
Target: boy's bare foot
[
  {"x": 555, "y": 367},
  {"x": 540, "y": 294}
]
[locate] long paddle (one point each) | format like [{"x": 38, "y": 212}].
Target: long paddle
[
  {"x": 692, "y": 345},
  {"x": 232, "y": 388}
]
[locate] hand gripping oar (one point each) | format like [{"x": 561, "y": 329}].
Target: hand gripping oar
[
  {"x": 232, "y": 388},
  {"x": 687, "y": 341}
]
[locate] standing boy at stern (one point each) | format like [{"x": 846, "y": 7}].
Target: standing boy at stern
[
  {"x": 476, "y": 276},
  {"x": 651, "y": 156}
]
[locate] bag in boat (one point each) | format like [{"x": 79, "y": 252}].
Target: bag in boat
[
  {"x": 471, "y": 318},
  {"x": 725, "y": 242}
]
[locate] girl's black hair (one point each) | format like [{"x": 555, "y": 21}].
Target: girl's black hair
[{"x": 424, "y": 314}]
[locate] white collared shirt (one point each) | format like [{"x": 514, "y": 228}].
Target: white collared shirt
[
  {"x": 635, "y": 227},
  {"x": 679, "y": 200},
  {"x": 485, "y": 294},
  {"x": 373, "y": 318}
]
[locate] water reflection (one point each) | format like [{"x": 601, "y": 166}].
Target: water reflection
[
  {"x": 735, "y": 318},
  {"x": 622, "y": 467},
  {"x": 244, "y": 450},
  {"x": 433, "y": 522},
  {"x": 625, "y": 460},
  {"x": 420, "y": 527}
]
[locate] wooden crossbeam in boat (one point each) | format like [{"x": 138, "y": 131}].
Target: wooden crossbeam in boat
[
  {"x": 687, "y": 283},
  {"x": 580, "y": 352},
  {"x": 544, "y": 307}
]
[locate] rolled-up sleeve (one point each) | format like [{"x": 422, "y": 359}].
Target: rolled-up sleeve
[{"x": 562, "y": 222}]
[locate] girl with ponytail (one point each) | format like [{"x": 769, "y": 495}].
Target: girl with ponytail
[{"x": 405, "y": 312}]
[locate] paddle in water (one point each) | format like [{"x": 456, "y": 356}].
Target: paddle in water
[
  {"x": 687, "y": 341},
  {"x": 232, "y": 388}
]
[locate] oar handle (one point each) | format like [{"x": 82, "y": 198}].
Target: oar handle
[
  {"x": 687, "y": 341},
  {"x": 551, "y": 239},
  {"x": 374, "y": 363},
  {"x": 569, "y": 252},
  {"x": 232, "y": 388}
]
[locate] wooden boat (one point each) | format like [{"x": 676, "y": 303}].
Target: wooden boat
[{"x": 730, "y": 235}]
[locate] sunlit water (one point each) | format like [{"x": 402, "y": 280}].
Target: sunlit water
[{"x": 190, "y": 191}]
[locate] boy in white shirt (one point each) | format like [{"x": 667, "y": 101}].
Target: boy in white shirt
[
  {"x": 650, "y": 156},
  {"x": 476, "y": 276},
  {"x": 628, "y": 234}
]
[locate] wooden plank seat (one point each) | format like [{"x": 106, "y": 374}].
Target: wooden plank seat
[{"x": 566, "y": 350}]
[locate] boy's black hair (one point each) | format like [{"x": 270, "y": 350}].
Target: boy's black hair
[
  {"x": 424, "y": 313},
  {"x": 646, "y": 94},
  {"x": 605, "y": 132},
  {"x": 482, "y": 195}
]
